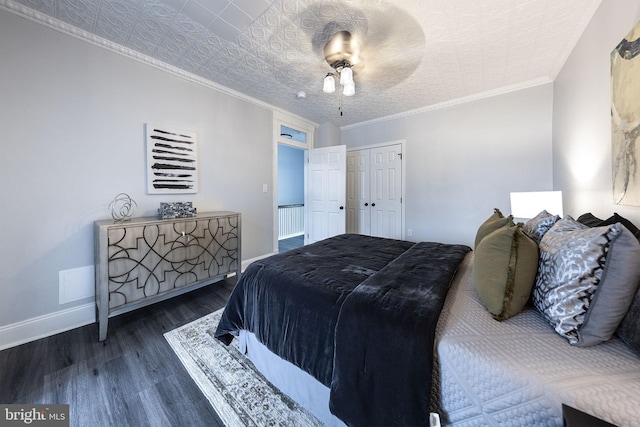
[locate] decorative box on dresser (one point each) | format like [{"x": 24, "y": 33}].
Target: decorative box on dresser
[{"x": 145, "y": 260}]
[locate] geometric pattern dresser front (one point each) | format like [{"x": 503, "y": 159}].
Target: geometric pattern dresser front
[{"x": 141, "y": 261}]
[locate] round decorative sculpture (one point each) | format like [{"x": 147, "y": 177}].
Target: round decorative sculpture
[{"x": 122, "y": 207}]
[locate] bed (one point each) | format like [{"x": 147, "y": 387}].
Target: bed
[
  {"x": 356, "y": 313},
  {"x": 399, "y": 330},
  {"x": 519, "y": 372}
]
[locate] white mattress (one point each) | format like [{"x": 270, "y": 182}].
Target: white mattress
[{"x": 519, "y": 372}]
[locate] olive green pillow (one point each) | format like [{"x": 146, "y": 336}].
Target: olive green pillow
[
  {"x": 504, "y": 270},
  {"x": 494, "y": 222}
]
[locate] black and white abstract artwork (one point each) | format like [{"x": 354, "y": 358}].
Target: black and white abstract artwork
[{"x": 172, "y": 160}]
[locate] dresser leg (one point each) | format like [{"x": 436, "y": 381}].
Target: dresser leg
[{"x": 102, "y": 324}]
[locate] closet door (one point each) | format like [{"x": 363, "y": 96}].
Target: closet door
[
  {"x": 358, "y": 192},
  {"x": 386, "y": 191},
  {"x": 374, "y": 191}
]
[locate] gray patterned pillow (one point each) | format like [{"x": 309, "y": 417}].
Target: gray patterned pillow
[
  {"x": 538, "y": 226},
  {"x": 586, "y": 279}
]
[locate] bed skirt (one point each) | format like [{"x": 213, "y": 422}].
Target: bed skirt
[{"x": 308, "y": 392}]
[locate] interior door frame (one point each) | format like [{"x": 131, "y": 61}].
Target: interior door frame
[
  {"x": 403, "y": 148},
  {"x": 293, "y": 122}
]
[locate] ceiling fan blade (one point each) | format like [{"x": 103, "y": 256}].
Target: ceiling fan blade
[{"x": 392, "y": 49}]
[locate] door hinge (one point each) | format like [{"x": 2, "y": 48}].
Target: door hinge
[{"x": 400, "y": 155}]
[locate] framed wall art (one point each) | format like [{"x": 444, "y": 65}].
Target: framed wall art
[
  {"x": 172, "y": 160},
  {"x": 625, "y": 119}
]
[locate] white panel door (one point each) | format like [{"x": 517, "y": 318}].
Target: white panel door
[
  {"x": 358, "y": 192},
  {"x": 374, "y": 191},
  {"x": 386, "y": 191},
  {"x": 325, "y": 192}
]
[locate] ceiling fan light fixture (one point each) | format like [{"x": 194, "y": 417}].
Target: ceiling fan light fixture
[
  {"x": 342, "y": 53},
  {"x": 349, "y": 89},
  {"x": 329, "y": 84},
  {"x": 346, "y": 75}
]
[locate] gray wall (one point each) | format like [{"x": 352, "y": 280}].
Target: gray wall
[
  {"x": 327, "y": 135},
  {"x": 462, "y": 161},
  {"x": 582, "y": 119},
  {"x": 72, "y": 117}
]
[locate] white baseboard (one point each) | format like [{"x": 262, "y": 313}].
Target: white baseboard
[
  {"x": 47, "y": 325},
  {"x": 59, "y": 321}
]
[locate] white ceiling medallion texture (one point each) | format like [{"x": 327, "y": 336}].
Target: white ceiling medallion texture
[{"x": 418, "y": 54}]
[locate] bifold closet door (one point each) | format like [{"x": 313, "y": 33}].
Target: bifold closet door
[
  {"x": 374, "y": 191},
  {"x": 358, "y": 193},
  {"x": 386, "y": 191}
]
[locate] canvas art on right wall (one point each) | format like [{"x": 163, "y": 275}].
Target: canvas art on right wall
[{"x": 625, "y": 119}]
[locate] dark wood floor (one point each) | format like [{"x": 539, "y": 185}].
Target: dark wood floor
[{"x": 131, "y": 379}]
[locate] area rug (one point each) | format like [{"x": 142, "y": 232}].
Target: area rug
[{"x": 239, "y": 394}]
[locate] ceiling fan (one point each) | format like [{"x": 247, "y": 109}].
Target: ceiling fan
[
  {"x": 342, "y": 53},
  {"x": 386, "y": 39}
]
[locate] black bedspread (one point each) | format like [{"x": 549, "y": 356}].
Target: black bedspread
[{"x": 356, "y": 312}]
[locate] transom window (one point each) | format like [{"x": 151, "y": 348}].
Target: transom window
[{"x": 293, "y": 134}]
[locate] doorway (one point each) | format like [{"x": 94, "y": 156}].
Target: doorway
[
  {"x": 323, "y": 182},
  {"x": 292, "y": 137},
  {"x": 290, "y": 197}
]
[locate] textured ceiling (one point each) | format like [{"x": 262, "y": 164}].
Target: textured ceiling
[{"x": 416, "y": 54}]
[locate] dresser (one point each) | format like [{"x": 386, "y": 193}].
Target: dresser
[{"x": 145, "y": 260}]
